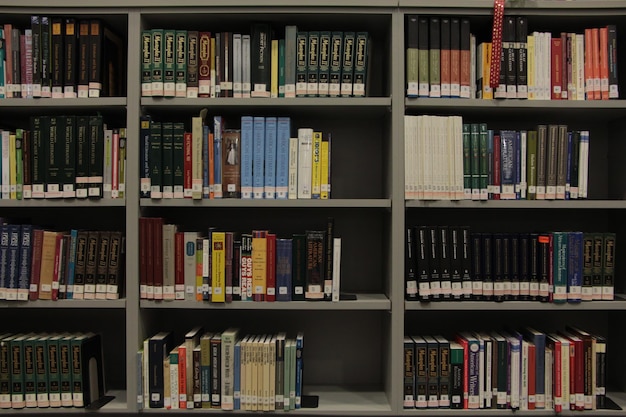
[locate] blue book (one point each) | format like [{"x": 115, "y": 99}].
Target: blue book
[
  {"x": 284, "y": 250},
  {"x": 13, "y": 261},
  {"x": 559, "y": 271},
  {"x": 206, "y": 185},
  {"x": 299, "y": 365},
  {"x": 218, "y": 128},
  {"x": 507, "y": 164},
  {"x": 574, "y": 266},
  {"x": 518, "y": 165},
  {"x": 23, "y": 280},
  {"x": 71, "y": 265},
  {"x": 145, "y": 156},
  {"x": 282, "y": 157},
  {"x": 258, "y": 157},
  {"x": 237, "y": 377},
  {"x": 270, "y": 158},
  {"x": 4, "y": 260},
  {"x": 247, "y": 152},
  {"x": 539, "y": 340}
]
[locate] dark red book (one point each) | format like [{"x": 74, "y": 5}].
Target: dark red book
[
  {"x": 157, "y": 257},
  {"x": 556, "y": 69},
  {"x": 270, "y": 283},
  {"x": 179, "y": 266}
]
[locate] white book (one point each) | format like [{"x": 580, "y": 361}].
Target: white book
[
  {"x": 524, "y": 377},
  {"x": 146, "y": 373},
  {"x": 237, "y": 67},
  {"x": 418, "y": 158},
  {"x": 515, "y": 371},
  {"x": 305, "y": 162},
  {"x": 188, "y": 289},
  {"x": 427, "y": 153},
  {"x": 336, "y": 269},
  {"x": 174, "y": 400},
  {"x": 229, "y": 338},
  {"x": 458, "y": 154},
  {"x": 547, "y": 53},
  {"x": 408, "y": 156},
  {"x": 583, "y": 167},
  {"x": 549, "y": 364},
  {"x": 580, "y": 66},
  {"x": 6, "y": 175}
]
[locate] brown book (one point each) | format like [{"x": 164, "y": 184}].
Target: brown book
[
  {"x": 46, "y": 271},
  {"x": 102, "y": 264},
  {"x": 231, "y": 163},
  {"x": 91, "y": 261},
  {"x": 157, "y": 257},
  {"x": 204, "y": 64}
]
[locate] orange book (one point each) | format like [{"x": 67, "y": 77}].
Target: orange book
[
  {"x": 595, "y": 62},
  {"x": 604, "y": 62},
  {"x": 182, "y": 376},
  {"x": 588, "y": 66},
  {"x": 259, "y": 264}
]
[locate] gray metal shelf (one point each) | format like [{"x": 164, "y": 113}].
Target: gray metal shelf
[
  {"x": 618, "y": 305},
  {"x": 231, "y": 202},
  {"x": 63, "y": 304},
  {"x": 64, "y": 203},
  {"x": 517, "y": 204}
]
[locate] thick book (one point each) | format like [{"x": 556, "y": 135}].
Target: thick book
[
  {"x": 260, "y": 60},
  {"x": 159, "y": 347},
  {"x": 315, "y": 261}
]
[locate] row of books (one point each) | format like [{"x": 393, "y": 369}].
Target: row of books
[
  {"x": 63, "y": 157},
  {"x": 228, "y": 266},
  {"x": 221, "y": 370},
  {"x": 453, "y": 263},
  {"x": 40, "y": 370},
  {"x": 61, "y": 58},
  {"x": 257, "y": 159},
  {"x": 446, "y": 159},
  {"x": 40, "y": 264},
  {"x": 181, "y": 63},
  {"x": 444, "y": 60},
  {"x": 519, "y": 370}
]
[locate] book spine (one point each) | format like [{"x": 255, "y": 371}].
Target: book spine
[
  {"x": 180, "y": 64},
  {"x": 336, "y": 59},
  {"x": 608, "y": 266},
  {"x": 158, "y": 48},
  {"x": 146, "y": 63},
  {"x": 324, "y": 64},
  {"x": 192, "y": 81},
  {"x": 169, "y": 63},
  {"x": 347, "y": 66}
]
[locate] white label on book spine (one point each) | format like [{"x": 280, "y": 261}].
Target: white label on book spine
[
  {"x": 282, "y": 290},
  {"x": 543, "y": 289},
  {"x": 298, "y": 290}
]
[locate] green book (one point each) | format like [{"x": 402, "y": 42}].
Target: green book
[
  {"x": 347, "y": 64},
  {"x": 157, "y": 62},
  {"x": 596, "y": 265},
  {"x": 531, "y": 161},
  {"x": 146, "y": 63},
  {"x": 37, "y": 124},
  {"x": 336, "y": 56},
  {"x": 181, "y": 63},
  {"x": 29, "y": 370},
  {"x": 301, "y": 63},
  {"x": 559, "y": 271},
  {"x": 156, "y": 160},
  {"x": 53, "y": 139},
  {"x": 313, "y": 63},
  {"x": 54, "y": 372},
  {"x": 456, "y": 375},
  {"x": 169, "y": 63},
  {"x": 323, "y": 76},
  {"x": 361, "y": 53},
  {"x": 178, "y": 165},
  {"x": 82, "y": 156},
  {"x": 68, "y": 174},
  {"x": 76, "y": 363},
  {"x": 5, "y": 371},
  {"x": 41, "y": 370},
  {"x": 167, "y": 159},
  {"x": 281, "y": 68},
  {"x": 423, "y": 68},
  {"x": 412, "y": 53},
  {"x": 17, "y": 371},
  {"x": 65, "y": 370}
]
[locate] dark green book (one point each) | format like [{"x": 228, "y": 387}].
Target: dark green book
[
  {"x": 53, "y": 139},
  {"x": 181, "y": 63},
  {"x": 192, "y": 64},
  {"x": 37, "y": 126},
  {"x": 30, "y": 376},
  {"x": 361, "y": 57},
  {"x": 281, "y": 68},
  {"x": 347, "y": 64},
  {"x": 41, "y": 370},
  {"x": 68, "y": 174},
  {"x": 336, "y": 57},
  {"x": 301, "y": 63},
  {"x": 167, "y": 159},
  {"x": 82, "y": 156},
  {"x": 156, "y": 160},
  {"x": 96, "y": 155},
  {"x": 17, "y": 371},
  {"x": 312, "y": 68},
  {"x": 178, "y": 165},
  {"x": 169, "y": 63},
  {"x": 323, "y": 75},
  {"x": 146, "y": 63},
  {"x": 54, "y": 372},
  {"x": 65, "y": 370},
  {"x": 5, "y": 371},
  {"x": 157, "y": 62}
]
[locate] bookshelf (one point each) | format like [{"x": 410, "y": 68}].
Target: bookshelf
[{"x": 353, "y": 350}]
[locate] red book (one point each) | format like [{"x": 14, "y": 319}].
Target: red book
[
  {"x": 595, "y": 62},
  {"x": 532, "y": 377},
  {"x": 179, "y": 266},
  {"x": 557, "y": 393},
  {"x": 35, "y": 267},
  {"x": 182, "y": 376},
  {"x": 143, "y": 258},
  {"x": 188, "y": 149},
  {"x": 576, "y": 371},
  {"x": 149, "y": 259},
  {"x": 157, "y": 257},
  {"x": 588, "y": 66},
  {"x": 556, "y": 68},
  {"x": 463, "y": 342},
  {"x": 270, "y": 288},
  {"x": 566, "y": 56}
]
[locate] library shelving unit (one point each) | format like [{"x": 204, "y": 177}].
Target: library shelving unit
[{"x": 353, "y": 349}]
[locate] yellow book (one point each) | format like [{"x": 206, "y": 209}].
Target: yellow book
[
  {"x": 485, "y": 62},
  {"x": 12, "y": 167},
  {"x": 259, "y": 265},
  {"x": 325, "y": 169},
  {"x": 274, "y": 70},
  {"x": 530, "y": 63},
  {"x": 218, "y": 267},
  {"x": 316, "y": 173},
  {"x": 46, "y": 273}
]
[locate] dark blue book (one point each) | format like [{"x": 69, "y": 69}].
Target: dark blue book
[
  {"x": 13, "y": 261},
  {"x": 284, "y": 250},
  {"x": 23, "y": 281}
]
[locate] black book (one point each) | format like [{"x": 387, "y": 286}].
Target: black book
[
  {"x": 545, "y": 241},
  {"x": 422, "y": 258},
  {"x": 159, "y": 347},
  {"x": 445, "y": 262},
  {"x": 46, "y": 64},
  {"x": 434, "y": 264},
  {"x": 167, "y": 159},
  {"x": 498, "y": 267},
  {"x": 96, "y": 153},
  {"x": 506, "y": 266},
  {"x": 57, "y": 56},
  {"x": 298, "y": 271},
  {"x": 192, "y": 62},
  {"x": 511, "y": 57},
  {"x": 328, "y": 255},
  {"x": 68, "y": 174},
  {"x": 35, "y": 26},
  {"x": 524, "y": 267},
  {"x": 466, "y": 263},
  {"x": 70, "y": 58},
  {"x": 456, "y": 261},
  {"x": 477, "y": 266},
  {"x": 216, "y": 371},
  {"x": 410, "y": 262},
  {"x": 533, "y": 266},
  {"x": 514, "y": 269},
  {"x": 488, "y": 273},
  {"x": 83, "y": 59},
  {"x": 521, "y": 34},
  {"x": 260, "y": 60}
]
